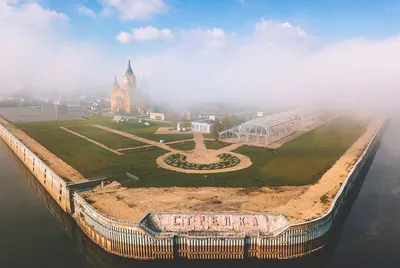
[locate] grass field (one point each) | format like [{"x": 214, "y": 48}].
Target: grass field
[
  {"x": 147, "y": 132},
  {"x": 299, "y": 162},
  {"x": 184, "y": 147},
  {"x": 215, "y": 145},
  {"x": 107, "y": 138}
]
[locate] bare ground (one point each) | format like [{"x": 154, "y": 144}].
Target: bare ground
[
  {"x": 298, "y": 203},
  {"x": 55, "y": 163}
]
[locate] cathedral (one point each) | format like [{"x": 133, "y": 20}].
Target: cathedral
[
  {"x": 129, "y": 99},
  {"x": 121, "y": 97}
]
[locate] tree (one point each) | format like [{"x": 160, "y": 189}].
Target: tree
[
  {"x": 226, "y": 122},
  {"x": 215, "y": 129}
]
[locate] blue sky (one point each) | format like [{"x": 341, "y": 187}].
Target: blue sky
[{"x": 326, "y": 19}]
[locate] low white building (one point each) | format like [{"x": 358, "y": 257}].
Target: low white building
[
  {"x": 156, "y": 116},
  {"x": 212, "y": 117},
  {"x": 203, "y": 126}
]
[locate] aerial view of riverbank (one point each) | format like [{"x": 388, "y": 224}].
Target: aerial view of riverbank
[{"x": 160, "y": 133}]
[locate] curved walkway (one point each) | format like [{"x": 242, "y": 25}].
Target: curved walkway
[
  {"x": 200, "y": 155},
  {"x": 245, "y": 162}
]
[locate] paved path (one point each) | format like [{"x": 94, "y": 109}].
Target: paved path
[
  {"x": 148, "y": 146},
  {"x": 199, "y": 140},
  {"x": 134, "y": 137},
  {"x": 200, "y": 155},
  {"x": 92, "y": 141}
]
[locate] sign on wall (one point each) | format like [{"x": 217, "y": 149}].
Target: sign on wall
[{"x": 197, "y": 222}]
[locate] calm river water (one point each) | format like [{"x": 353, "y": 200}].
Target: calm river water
[{"x": 34, "y": 232}]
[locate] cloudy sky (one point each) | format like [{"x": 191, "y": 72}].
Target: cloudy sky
[{"x": 254, "y": 50}]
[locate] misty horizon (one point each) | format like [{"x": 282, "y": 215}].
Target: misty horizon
[{"x": 276, "y": 62}]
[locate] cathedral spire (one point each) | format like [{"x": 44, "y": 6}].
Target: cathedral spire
[
  {"x": 129, "y": 71},
  {"x": 115, "y": 84}
]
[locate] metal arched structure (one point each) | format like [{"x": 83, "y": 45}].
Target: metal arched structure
[{"x": 269, "y": 129}]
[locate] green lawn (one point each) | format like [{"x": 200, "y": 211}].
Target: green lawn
[
  {"x": 107, "y": 138},
  {"x": 299, "y": 162},
  {"x": 215, "y": 145},
  {"x": 184, "y": 147},
  {"x": 147, "y": 132}
]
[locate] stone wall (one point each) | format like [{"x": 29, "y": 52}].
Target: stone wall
[{"x": 53, "y": 183}]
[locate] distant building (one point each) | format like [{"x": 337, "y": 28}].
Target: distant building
[
  {"x": 203, "y": 126},
  {"x": 157, "y": 116},
  {"x": 186, "y": 115},
  {"x": 260, "y": 114},
  {"x": 121, "y": 97},
  {"x": 183, "y": 126},
  {"x": 212, "y": 117}
]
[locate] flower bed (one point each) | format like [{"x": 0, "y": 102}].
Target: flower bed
[{"x": 178, "y": 160}]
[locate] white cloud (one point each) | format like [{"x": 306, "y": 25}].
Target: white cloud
[
  {"x": 143, "y": 34},
  {"x": 38, "y": 54},
  {"x": 359, "y": 72},
  {"x": 268, "y": 26},
  {"x": 268, "y": 67},
  {"x": 134, "y": 9},
  {"x": 86, "y": 11},
  {"x": 124, "y": 37},
  {"x": 208, "y": 38}
]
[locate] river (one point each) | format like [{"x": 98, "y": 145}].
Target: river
[{"x": 35, "y": 232}]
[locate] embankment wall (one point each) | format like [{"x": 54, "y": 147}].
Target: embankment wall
[{"x": 51, "y": 181}]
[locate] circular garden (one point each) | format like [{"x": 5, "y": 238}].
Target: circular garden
[{"x": 178, "y": 160}]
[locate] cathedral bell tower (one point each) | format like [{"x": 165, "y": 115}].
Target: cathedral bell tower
[{"x": 129, "y": 86}]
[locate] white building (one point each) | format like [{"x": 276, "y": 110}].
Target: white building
[
  {"x": 156, "y": 116},
  {"x": 203, "y": 126},
  {"x": 259, "y": 114},
  {"x": 212, "y": 117}
]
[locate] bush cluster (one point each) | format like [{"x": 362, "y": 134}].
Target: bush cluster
[{"x": 178, "y": 160}]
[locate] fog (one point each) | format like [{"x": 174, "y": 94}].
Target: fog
[{"x": 274, "y": 63}]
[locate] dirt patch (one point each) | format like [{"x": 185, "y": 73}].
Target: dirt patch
[{"x": 134, "y": 203}]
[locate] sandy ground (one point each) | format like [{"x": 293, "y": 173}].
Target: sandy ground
[
  {"x": 55, "y": 163},
  {"x": 296, "y": 203},
  {"x": 134, "y": 203}
]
